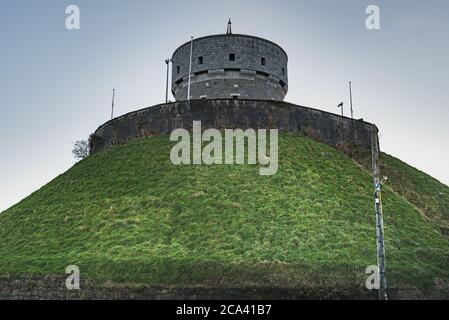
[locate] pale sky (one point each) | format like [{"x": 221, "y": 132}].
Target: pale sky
[{"x": 56, "y": 84}]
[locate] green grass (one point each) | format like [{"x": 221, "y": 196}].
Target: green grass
[
  {"x": 129, "y": 215},
  {"x": 426, "y": 193}
]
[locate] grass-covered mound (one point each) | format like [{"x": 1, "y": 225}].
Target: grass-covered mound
[
  {"x": 426, "y": 193},
  {"x": 129, "y": 215}
]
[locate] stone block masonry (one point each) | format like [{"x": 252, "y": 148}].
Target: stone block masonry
[
  {"x": 230, "y": 66},
  {"x": 35, "y": 287},
  {"x": 334, "y": 130}
]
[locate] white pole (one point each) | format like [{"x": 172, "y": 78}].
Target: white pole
[
  {"x": 350, "y": 95},
  {"x": 383, "y": 295},
  {"x": 190, "y": 68},
  {"x": 113, "y": 97},
  {"x": 167, "y": 61}
]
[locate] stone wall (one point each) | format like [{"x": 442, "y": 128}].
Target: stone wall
[
  {"x": 258, "y": 70},
  {"x": 237, "y": 84},
  {"x": 341, "y": 132},
  {"x": 53, "y": 288}
]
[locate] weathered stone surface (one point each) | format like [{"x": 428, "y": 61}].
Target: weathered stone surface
[
  {"x": 51, "y": 287},
  {"x": 259, "y": 70},
  {"x": 337, "y": 131}
]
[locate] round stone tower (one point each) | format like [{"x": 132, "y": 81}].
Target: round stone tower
[{"x": 228, "y": 66}]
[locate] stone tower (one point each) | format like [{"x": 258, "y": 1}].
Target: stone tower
[{"x": 230, "y": 66}]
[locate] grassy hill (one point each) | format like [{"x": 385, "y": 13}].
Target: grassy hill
[
  {"x": 426, "y": 193},
  {"x": 129, "y": 215}
]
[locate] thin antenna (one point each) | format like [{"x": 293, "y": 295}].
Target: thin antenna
[
  {"x": 350, "y": 95},
  {"x": 190, "y": 68},
  {"x": 113, "y": 97}
]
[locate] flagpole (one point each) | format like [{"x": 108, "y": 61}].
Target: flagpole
[
  {"x": 113, "y": 97},
  {"x": 167, "y": 61},
  {"x": 350, "y": 95},
  {"x": 190, "y": 68}
]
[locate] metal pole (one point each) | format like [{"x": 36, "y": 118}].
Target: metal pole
[
  {"x": 341, "y": 106},
  {"x": 113, "y": 97},
  {"x": 350, "y": 95},
  {"x": 190, "y": 68},
  {"x": 379, "y": 216},
  {"x": 167, "y": 61}
]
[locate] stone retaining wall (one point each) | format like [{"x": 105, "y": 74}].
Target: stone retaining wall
[
  {"x": 53, "y": 288},
  {"x": 337, "y": 131}
]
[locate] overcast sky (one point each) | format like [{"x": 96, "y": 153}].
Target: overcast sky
[{"x": 56, "y": 84}]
